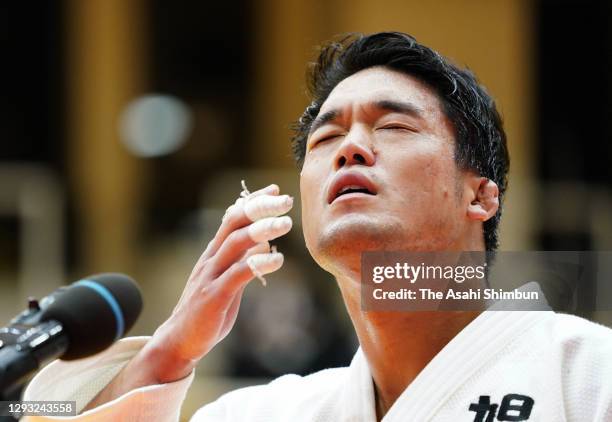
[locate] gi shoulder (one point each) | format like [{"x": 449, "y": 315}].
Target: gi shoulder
[
  {"x": 573, "y": 331},
  {"x": 584, "y": 350}
]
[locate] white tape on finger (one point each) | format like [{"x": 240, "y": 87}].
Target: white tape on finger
[
  {"x": 269, "y": 228},
  {"x": 265, "y": 263},
  {"x": 259, "y": 207}
]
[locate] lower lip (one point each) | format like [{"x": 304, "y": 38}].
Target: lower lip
[{"x": 351, "y": 196}]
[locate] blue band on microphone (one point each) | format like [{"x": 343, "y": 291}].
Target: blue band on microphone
[{"x": 110, "y": 299}]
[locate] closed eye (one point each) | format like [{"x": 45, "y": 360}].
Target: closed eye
[
  {"x": 326, "y": 138},
  {"x": 398, "y": 127}
]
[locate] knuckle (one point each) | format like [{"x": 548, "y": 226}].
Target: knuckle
[
  {"x": 234, "y": 275},
  {"x": 230, "y": 213},
  {"x": 237, "y": 237},
  {"x": 202, "y": 263},
  {"x": 232, "y": 238}
]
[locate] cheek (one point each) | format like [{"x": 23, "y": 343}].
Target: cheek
[
  {"x": 426, "y": 177},
  {"x": 306, "y": 187},
  {"x": 309, "y": 185}
]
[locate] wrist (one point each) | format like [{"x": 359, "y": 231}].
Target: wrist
[{"x": 163, "y": 363}]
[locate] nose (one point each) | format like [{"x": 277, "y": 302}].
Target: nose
[{"x": 354, "y": 149}]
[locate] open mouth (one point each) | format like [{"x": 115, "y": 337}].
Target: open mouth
[
  {"x": 350, "y": 183},
  {"x": 353, "y": 189}
]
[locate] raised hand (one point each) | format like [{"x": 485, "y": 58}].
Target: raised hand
[{"x": 208, "y": 307}]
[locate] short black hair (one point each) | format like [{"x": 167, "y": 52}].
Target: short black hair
[{"x": 479, "y": 134}]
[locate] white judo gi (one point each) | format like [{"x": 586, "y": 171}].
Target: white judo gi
[{"x": 503, "y": 366}]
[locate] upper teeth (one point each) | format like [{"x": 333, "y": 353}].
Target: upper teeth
[{"x": 345, "y": 188}]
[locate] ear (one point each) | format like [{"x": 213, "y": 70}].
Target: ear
[{"x": 485, "y": 199}]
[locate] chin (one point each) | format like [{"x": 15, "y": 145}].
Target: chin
[
  {"x": 341, "y": 241},
  {"x": 354, "y": 234}
]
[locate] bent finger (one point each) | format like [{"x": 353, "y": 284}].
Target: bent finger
[
  {"x": 239, "y": 241},
  {"x": 240, "y": 273}
]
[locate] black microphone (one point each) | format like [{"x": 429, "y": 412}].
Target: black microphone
[{"x": 72, "y": 323}]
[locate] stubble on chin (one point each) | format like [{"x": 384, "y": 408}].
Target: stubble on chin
[
  {"x": 348, "y": 238},
  {"x": 341, "y": 242}
]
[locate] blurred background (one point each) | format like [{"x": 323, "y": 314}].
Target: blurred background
[{"x": 126, "y": 128}]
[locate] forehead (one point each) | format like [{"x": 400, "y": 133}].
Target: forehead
[{"x": 379, "y": 83}]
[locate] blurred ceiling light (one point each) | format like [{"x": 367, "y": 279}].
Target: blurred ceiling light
[{"x": 154, "y": 125}]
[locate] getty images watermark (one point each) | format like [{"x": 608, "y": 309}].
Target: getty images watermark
[{"x": 471, "y": 281}]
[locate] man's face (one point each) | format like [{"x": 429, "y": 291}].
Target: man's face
[{"x": 384, "y": 134}]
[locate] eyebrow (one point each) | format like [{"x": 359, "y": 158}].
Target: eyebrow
[
  {"x": 323, "y": 119},
  {"x": 400, "y": 107},
  {"x": 387, "y": 105}
]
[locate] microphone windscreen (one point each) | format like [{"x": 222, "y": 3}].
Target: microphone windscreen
[
  {"x": 95, "y": 312},
  {"x": 126, "y": 292}
]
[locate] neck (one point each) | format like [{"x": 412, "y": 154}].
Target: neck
[{"x": 398, "y": 345}]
